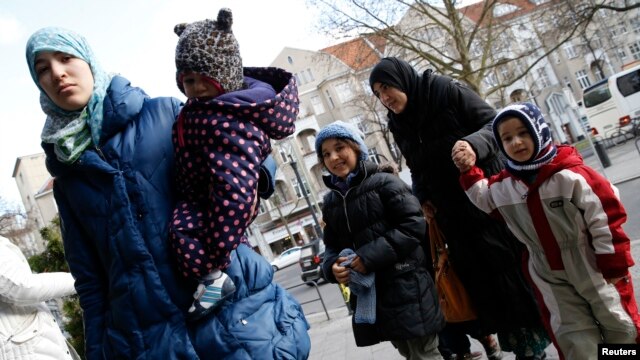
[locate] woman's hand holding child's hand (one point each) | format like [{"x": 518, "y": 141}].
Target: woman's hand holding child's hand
[{"x": 463, "y": 155}]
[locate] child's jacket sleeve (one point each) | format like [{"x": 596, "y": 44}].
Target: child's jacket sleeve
[
  {"x": 604, "y": 215},
  {"x": 476, "y": 186}
]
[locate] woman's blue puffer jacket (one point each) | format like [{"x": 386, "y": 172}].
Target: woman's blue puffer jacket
[{"x": 114, "y": 203}]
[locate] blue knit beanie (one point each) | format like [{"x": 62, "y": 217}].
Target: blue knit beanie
[
  {"x": 342, "y": 130},
  {"x": 532, "y": 118}
]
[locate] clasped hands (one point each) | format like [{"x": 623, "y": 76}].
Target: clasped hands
[{"x": 463, "y": 155}]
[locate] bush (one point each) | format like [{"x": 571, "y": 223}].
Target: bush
[{"x": 52, "y": 260}]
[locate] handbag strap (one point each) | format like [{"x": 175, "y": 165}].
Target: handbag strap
[{"x": 436, "y": 239}]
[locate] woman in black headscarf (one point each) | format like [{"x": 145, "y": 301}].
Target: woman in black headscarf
[{"x": 428, "y": 115}]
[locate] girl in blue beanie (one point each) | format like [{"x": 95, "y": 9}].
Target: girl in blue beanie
[{"x": 374, "y": 228}]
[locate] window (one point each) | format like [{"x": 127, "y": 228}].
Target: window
[
  {"x": 635, "y": 25},
  {"x": 503, "y": 9},
  {"x": 490, "y": 80},
  {"x": 543, "y": 78},
  {"x": 621, "y": 53},
  {"x": 360, "y": 123},
  {"x": 304, "y": 77},
  {"x": 583, "y": 79},
  {"x": 618, "y": 30},
  {"x": 344, "y": 92},
  {"x": 597, "y": 72},
  {"x": 311, "y": 142},
  {"x": 330, "y": 99},
  {"x": 316, "y": 102},
  {"x": 297, "y": 79},
  {"x": 262, "y": 209},
  {"x": 310, "y": 75},
  {"x": 374, "y": 156},
  {"x": 283, "y": 154},
  {"x": 289, "y": 59},
  {"x": 569, "y": 50},
  {"x": 504, "y": 72},
  {"x": 629, "y": 84},
  {"x": 296, "y": 187},
  {"x": 634, "y": 49}
]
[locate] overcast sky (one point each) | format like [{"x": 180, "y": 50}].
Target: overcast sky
[{"x": 131, "y": 37}]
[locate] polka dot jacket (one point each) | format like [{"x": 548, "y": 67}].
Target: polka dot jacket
[{"x": 224, "y": 141}]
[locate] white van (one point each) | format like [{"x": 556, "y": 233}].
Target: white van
[{"x": 613, "y": 102}]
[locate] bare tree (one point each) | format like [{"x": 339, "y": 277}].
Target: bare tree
[
  {"x": 489, "y": 40},
  {"x": 10, "y": 219}
]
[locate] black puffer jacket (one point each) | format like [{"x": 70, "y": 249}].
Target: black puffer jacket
[
  {"x": 441, "y": 111},
  {"x": 382, "y": 222}
]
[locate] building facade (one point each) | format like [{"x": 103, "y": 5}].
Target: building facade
[{"x": 34, "y": 185}]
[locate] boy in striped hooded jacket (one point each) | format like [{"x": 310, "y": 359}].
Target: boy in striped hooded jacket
[{"x": 570, "y": 219}]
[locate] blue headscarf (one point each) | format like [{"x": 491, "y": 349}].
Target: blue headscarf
[
  {"x": 71, "y": 132},
  {"x": 544, "y": 150}
]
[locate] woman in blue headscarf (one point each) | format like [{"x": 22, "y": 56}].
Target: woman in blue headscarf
[{"x": 108, "y": 145}]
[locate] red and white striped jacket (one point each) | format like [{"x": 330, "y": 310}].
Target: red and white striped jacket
[{"x": 568, "y": 203}]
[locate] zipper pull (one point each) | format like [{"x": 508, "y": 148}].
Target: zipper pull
[{"x": 99, "y": 151}]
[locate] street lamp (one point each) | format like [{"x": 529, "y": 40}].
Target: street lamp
[{"x": 294, "y": 166}]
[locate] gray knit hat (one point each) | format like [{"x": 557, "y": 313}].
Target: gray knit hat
[{"x": 208, "y": 47}]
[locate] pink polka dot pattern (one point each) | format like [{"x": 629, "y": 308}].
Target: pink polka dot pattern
[{"x": 225, "y": 141}]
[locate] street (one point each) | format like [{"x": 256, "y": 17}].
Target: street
[{"x": 631, "y": 199}]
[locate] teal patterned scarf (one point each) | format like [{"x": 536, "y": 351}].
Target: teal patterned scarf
[{"x": 71, "y": 132}]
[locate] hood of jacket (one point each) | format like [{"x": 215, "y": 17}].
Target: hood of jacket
[
  {"x": 242, "y": 102},
  {"x": 567, "y": 157}
]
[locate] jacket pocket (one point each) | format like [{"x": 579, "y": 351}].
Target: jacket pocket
[{"x": 30, "y": 331}]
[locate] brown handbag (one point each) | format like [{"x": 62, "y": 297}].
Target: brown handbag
[{"x": 454, "y": 300}]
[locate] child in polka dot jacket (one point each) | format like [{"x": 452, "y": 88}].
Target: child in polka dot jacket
[{"x": 220, "y": 139}]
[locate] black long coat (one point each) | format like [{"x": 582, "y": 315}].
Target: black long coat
[
  {"x": 383, "y": 223},
  {"x": 483, "y": 251}
]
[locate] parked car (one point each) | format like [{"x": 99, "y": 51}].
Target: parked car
[
  {"x": 287, "y": 258},
  {"x": 311, "y": 256}
]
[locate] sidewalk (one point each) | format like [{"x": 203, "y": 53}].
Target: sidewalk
[
  {"x": 333, "y": 339},
  {"x": 625, "y": 162}
]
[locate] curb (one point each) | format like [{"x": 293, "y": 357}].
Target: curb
[
  {"x": 627, "y": 179},
  {"x": 320, "y": 317}
]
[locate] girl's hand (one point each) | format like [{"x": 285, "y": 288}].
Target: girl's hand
[
  {"x": 463, "y": 155},
  {"x": 358, "y": 265},
  {"x": 341, "y": 273}
]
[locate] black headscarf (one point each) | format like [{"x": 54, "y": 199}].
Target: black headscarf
[{"x": 401, "y": 75}]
